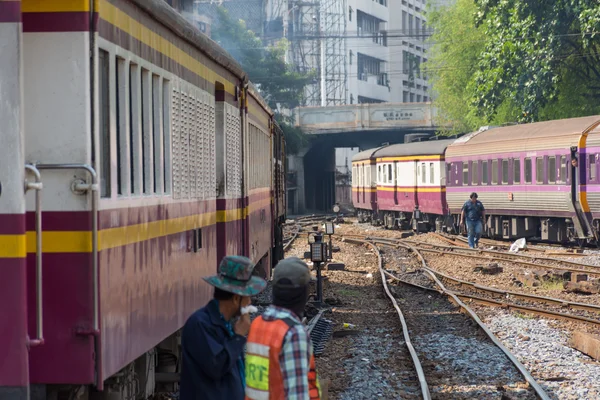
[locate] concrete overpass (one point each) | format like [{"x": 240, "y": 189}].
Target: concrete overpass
[{"x": 360, "y": 125}]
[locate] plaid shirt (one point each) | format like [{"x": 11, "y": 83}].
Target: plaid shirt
[{"x": 295, "y": 355}]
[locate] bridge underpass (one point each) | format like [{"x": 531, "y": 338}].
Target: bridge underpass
[{"x": 312, "y": 172}]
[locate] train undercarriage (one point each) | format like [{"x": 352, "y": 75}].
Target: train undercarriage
[{"x": 498, "y": 227}]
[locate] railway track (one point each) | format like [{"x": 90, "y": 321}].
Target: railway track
[
  {"x": 473, "y": 357},
  {"x": 545, "y": 306},
  {"x": 294, "y": 228},
  {"x": 533, "y": 261}
]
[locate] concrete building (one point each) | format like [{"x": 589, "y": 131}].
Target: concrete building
[
  {"x": 408, "y": 51},
  {"x": 368, "y": 57},
  {"x": 362, "y": 51}
]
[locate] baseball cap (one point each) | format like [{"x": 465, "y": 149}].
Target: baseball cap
[{"x": 291, "y": 271}]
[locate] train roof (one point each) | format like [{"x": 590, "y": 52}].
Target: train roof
[
  {"x": 524, "y": 137},
  {"x": 366, "y": 154},
  {"x": 426, "y": 147}
]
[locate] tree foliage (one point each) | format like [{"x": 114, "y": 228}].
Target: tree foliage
[
  {"x": 516, "y": 60},
  {"x": 281, "y": 86}
]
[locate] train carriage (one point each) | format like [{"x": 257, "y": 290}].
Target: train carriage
[
  {"x": 411, "y": 184},
  {"x": 364, "y": 184},
  {"x": 155, "y": 159},
  {"x": 523, "y": 175}
]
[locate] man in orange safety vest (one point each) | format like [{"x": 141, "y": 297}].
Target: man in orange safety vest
[{"x": 279, "y": 355}]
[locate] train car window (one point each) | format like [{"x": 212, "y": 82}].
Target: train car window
[
  {"x": 431, "y": 173},
  {"x": 166, "y": 103},
  {"x": 528, "y": 170},
  {"x": 147, "y": 180},
  {"x": 539, "y": 170},
  {"x": 134, "y": 128},
  {"x": 562, "y": 177},
  {"x": 504, "y": 172},
  {"x": 120, "y": 64},
  {"x": 484, "y": 172},
  {"x": 592, "y": 167},
  {"x": 494, "y": 172},
  {"x": 379, "y": 174},
  {"x": 465, "y": 167},
  {"x": 360, "y": 175},
  {"x": 552, "y": 169},
  {"x": 367, "y": 175},
  {"x": 423, "y": 173},
  {"x": 123, "y": 128},
  {"x": 516, "y": 171},
  {"x": 390, "y": 174},
  {"x": 157, "y": 128},
  {"x": 104, "y": 121},
  {"x": 353, "y": 176},
  {"x": 449, "y": 174},
  {"x": 475, "y": 173}
]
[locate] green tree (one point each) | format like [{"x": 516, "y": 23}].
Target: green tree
[
  {"x": 498, "y": 61},
  {"x": 277, "y": 82},
  {"x": 533, "y": 49}
]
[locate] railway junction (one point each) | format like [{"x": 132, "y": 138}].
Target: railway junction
[{"x": 424, "y": 317}]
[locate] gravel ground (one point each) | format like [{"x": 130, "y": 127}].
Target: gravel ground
[
  {"x": 368, "y": 360},
  {"x": 542, "y": 346},
  {"x": 458, "y": 358}
]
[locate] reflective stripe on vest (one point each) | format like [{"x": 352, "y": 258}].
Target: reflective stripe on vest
[
  {"x": 264, "y": 380},
  {"x": 257, "y": 368}
]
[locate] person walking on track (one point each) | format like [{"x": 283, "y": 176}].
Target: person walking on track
[
  {"x": 279, "y": 357},
  {"x": 212, "y": 344},
  {"x": 473, "y": 212}
]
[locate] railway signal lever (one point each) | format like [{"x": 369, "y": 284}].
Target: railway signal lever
[
  {"x": 318, "y": 255},
  {"x": 330, "y": 230}
]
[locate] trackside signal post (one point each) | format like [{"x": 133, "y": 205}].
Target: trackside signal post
[{"x": 318, "y": 255}]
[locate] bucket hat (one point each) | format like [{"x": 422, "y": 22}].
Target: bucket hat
[{"x": 235, "y": 276}]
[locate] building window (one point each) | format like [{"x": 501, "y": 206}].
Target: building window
[
  {"x": 368, "y": 25},
  {"x": 371, "y": 66},
  {"x": 405, "y": 97}
]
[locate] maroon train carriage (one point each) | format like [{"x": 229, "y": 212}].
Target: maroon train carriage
[
  {"x": 411, "y": 184},
  {"x": 364, "y": 185},
  {"x": 154, "y": 159}
]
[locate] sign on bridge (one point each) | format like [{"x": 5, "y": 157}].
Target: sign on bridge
[{"x": 364, "y": 117}]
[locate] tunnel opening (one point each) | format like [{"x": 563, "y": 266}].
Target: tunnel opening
[{"x": 328, "y": 177}]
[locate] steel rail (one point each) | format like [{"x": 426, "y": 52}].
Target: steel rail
[
  {"x": 538, "y": 389},
  {"x": 494, "y": 258},
  {"x": 525, "y": 296},
  {"x": 413, "y": 353},
  {"x": 514, "y": 255}
]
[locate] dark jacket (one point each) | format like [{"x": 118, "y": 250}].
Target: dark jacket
[{"x": 209, "y": 369}]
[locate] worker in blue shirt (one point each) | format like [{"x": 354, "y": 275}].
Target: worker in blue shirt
[
  {"x": 473, "y": 213},
  {"x": 212, "y": 343}
]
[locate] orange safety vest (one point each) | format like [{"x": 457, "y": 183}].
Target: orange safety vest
[{"x": 264, "y": 380}]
